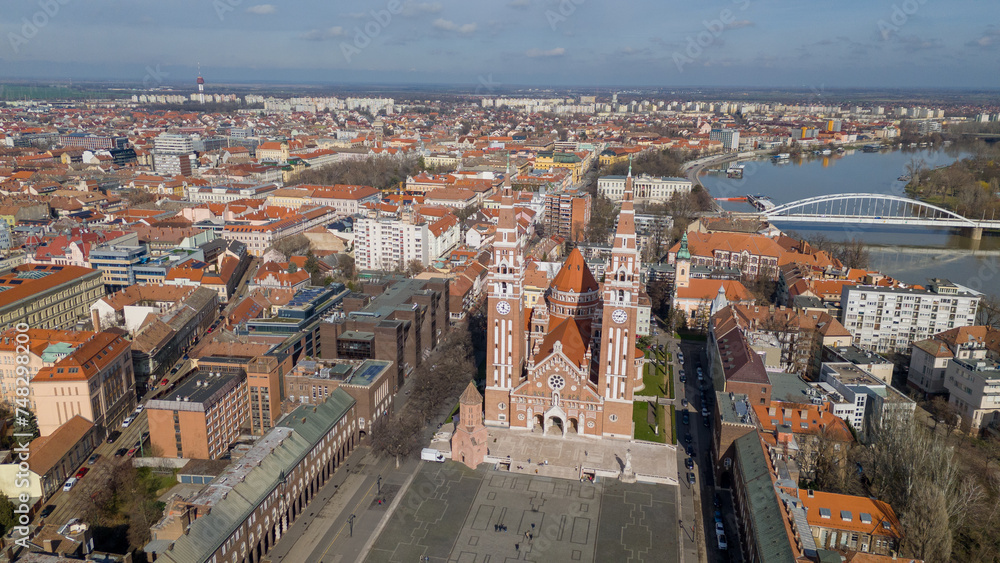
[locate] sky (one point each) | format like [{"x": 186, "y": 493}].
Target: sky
[{"x": 504, "y": 43}]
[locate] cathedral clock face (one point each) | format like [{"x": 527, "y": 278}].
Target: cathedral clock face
[
  {"x": 503, "y": 307},
  {"x": 619, "y": 316}
]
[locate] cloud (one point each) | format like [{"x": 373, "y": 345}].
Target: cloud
[
  {"x": 914, "y": 43},
  {"x": 324, "y": 34},
  {"x": 262, "y": 9},
  {"x": 538, "y": 53},
  {"x": 740, "y": 24},
  {"x": 988, "y": 39},
  {"x": 412, "y": 9},
  {"x": 448, "y": 25}
]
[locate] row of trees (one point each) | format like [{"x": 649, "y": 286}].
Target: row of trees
[
  {"x": 382, "y": 172},
  {"x": 852, "y": 253},
  {"x": 437, "y": 383}
]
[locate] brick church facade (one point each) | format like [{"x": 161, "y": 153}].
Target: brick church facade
[{"x": 569, "y": 364}]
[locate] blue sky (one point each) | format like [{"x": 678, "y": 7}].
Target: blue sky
[{"x": 787, "y": 43}]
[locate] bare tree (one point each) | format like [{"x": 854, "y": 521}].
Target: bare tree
[
  {"x": 989, "y": 311},
  {"x": 925, "y": 536}
]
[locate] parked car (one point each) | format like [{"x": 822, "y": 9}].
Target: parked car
[
  {"x": 719, "y": 529},
  {"x": 689, "y": 463},
  {"x": 686, "y": 419},
  {"x": 145, "y": 436},
  {"x": 705, "y": 422},
  {"x": 49, "y": 509},
  {"x": 690, "y": 451},
  {"x": 704, "y": 411},
  {"x": 132, "y": 451},
  {"x": 69, "y": 483},
  {"x": 121, "y": 452},
  {"x": 684, "y": 402},
  {"x": 683, "y": 379},
  {"x": 113, "y": 436},
  {"x": 680, "y": 357},
  {"x": 691, "y": 478},
  {"x": 128, "y": 420},
  {"x": 139, "y": 408},
  {"x": 174, "y": 370},
  {"x": 83, "y": 471},
  {"x": 718, "y": 501},
  {"x": 722, "y": 542},
  {"x": 164, "y": 382},
  {"x": 718, "y": 516},
  {"x": 93, "y": 459},
  {"x": 687, "y": 438}
]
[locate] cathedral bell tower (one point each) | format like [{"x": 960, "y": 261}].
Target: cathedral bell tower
[
  {"x": 505, "y": 323},
  {"x": 617, "y": 369}
]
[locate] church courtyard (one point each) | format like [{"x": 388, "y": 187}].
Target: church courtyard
[{"x": 457, "y": 515}]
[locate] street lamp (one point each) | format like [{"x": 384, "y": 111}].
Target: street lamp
[
  {"x": 380, "y": 484},
  {"x": 350, "y": 520}
]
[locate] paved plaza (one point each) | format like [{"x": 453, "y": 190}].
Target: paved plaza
[{"x": 451, "y": 513}]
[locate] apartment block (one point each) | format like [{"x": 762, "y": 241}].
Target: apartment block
[
  {"x": 567, "y": 214},
  {"x": 858, "y": 397},
  {"x": 929, "y": 358},
  {"x": 202, "y": 417},
  {"x": 850, "y": 523},
  {"x": 974, "y": 390},
  {"x": 242, "y": 513},
  {"x": 647, "y": 189},
  {"x": 48, "y": 296},
  {"x": 259, "y": 237},
  {"x": 887, "y": 319},
  {"x": 389, "y": 241}
]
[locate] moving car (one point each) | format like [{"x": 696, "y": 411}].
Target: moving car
[{"x": 69, "y": 483}]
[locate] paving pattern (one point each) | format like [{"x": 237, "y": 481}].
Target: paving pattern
[{"x": 451, "y": 514}]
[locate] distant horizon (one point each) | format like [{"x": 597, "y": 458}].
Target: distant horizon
[{"x": 533, "y": 43}]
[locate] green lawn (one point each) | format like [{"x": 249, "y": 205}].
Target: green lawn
[
  {"x": 670, "y": 381},
  {"x": 643, "y": 431},
  {"x": 652, "y": 379},
  {"x": 697, "y": 336},
  {"x": 452, "y": 414}
]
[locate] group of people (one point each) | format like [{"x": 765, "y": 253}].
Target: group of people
[{"x": 499, "y": 528}]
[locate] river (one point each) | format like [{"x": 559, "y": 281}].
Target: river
[{"x": 910, "y": 254}]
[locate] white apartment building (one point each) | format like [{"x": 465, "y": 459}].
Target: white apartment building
[
  {"x": 890, "y": 319},
  {"x": 730, "y": 138},
  {"x": 858, "y": 397},
  {"x": 974, "y": 390},
  {"x": 173, "y": 144},
  {"x": 646, "y": 188},
  {"x": 385, "y": 241},
  {"x": 228, "y": 194}
]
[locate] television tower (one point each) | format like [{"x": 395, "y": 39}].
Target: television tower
[{"x": 201, "y": 86}]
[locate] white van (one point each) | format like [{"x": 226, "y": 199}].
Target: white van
[{"x": 430, "y": 454}]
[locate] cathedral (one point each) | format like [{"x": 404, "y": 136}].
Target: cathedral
[{"x": 568, "y": 365}]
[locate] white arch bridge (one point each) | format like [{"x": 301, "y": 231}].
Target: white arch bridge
[{"x": 876, "y": 209}]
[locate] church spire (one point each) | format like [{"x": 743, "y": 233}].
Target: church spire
[{"x": 684, "y": 253}]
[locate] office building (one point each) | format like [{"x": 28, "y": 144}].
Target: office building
[
  {"x": 370, "y": 382},
  {"x": 94, "y": 380},
  {"x": 202, "y": 417},
  {"x": 48, "y": 296},
  {"x": 889, "y": 319},
  {"x": 89, "y": 141}
]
